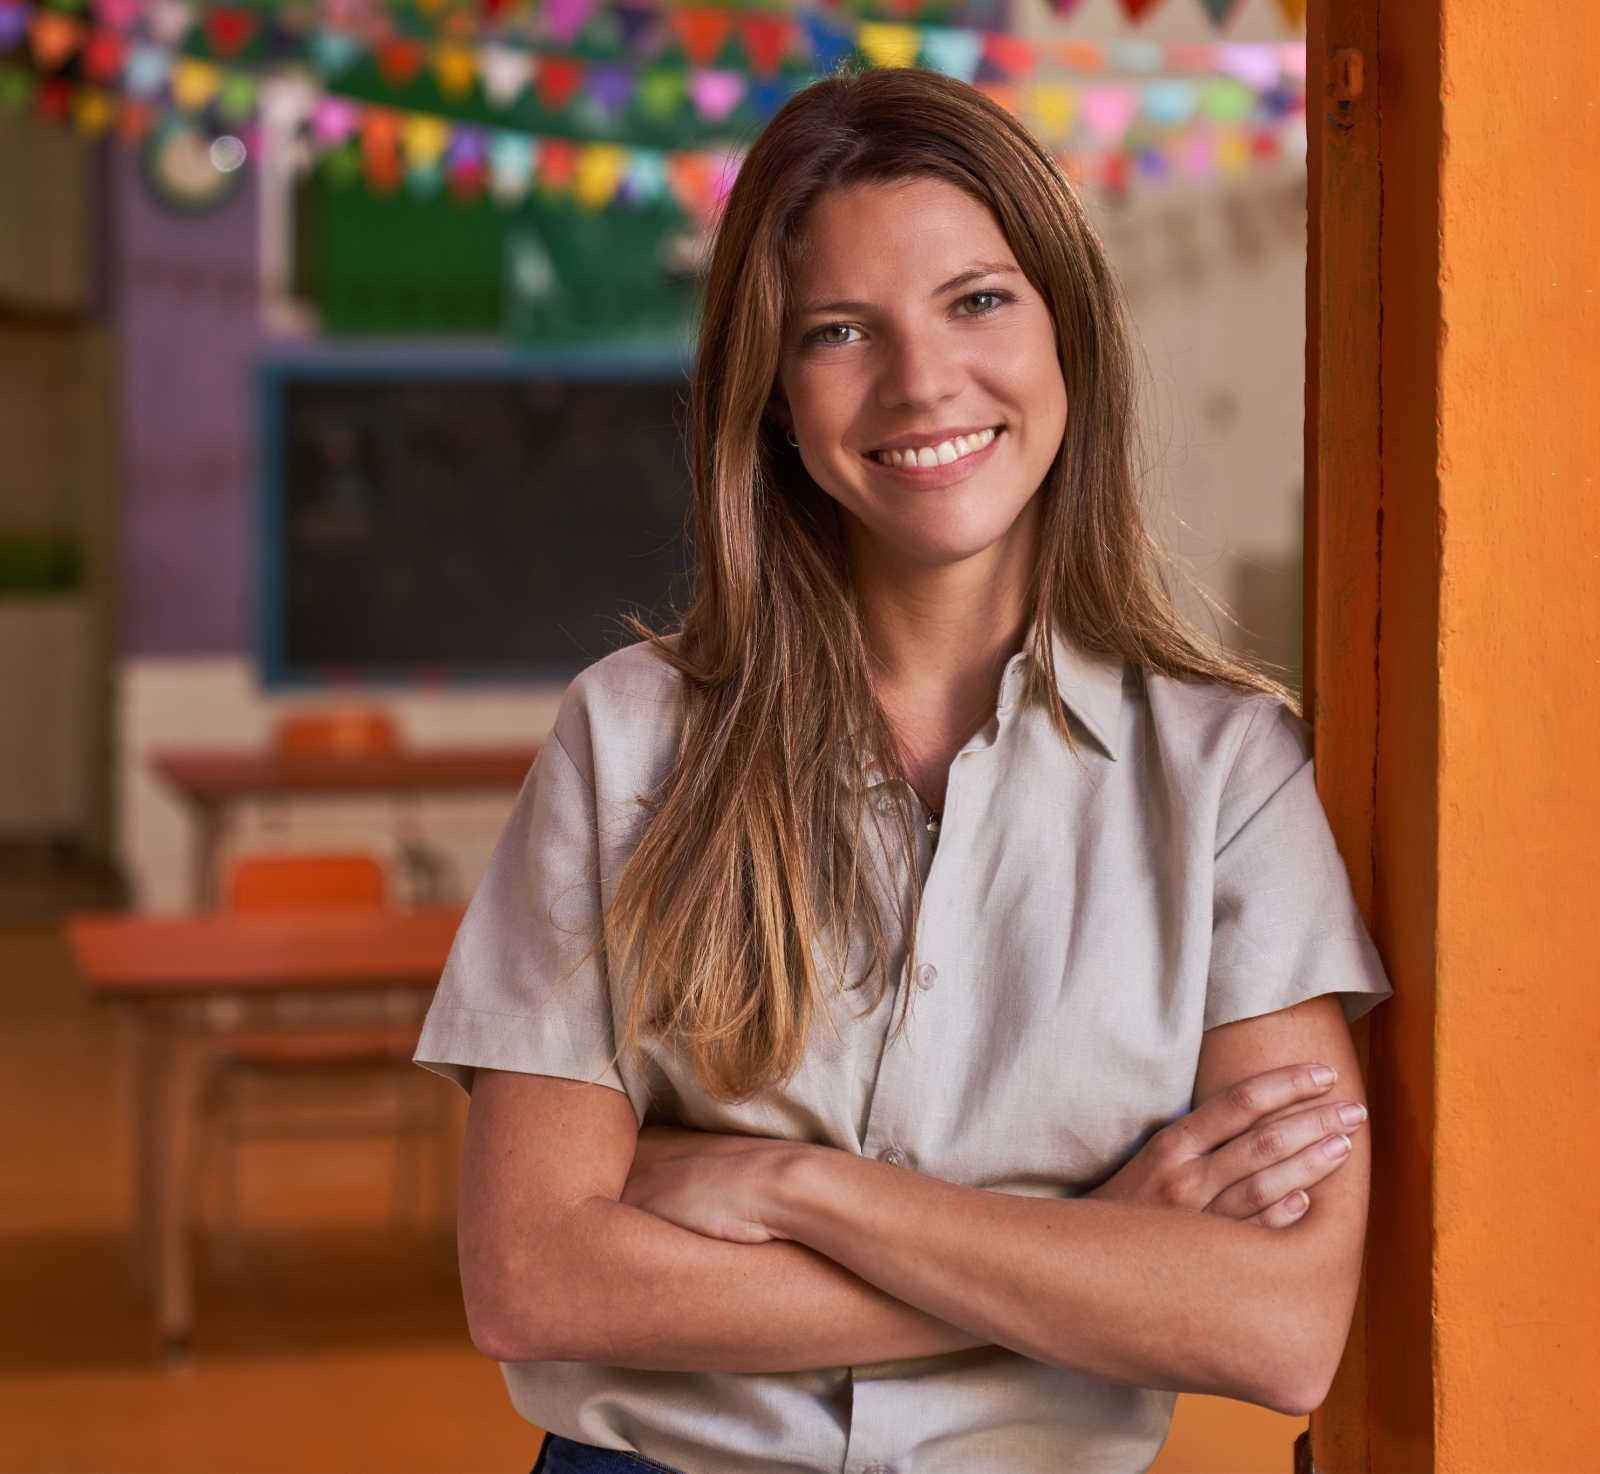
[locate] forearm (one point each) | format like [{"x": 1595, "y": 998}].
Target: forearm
[
  {"x": 1189, "y": 1302},
  {"x": 622, "y": 1286}
]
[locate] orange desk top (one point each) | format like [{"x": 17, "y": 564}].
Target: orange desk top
[
  {"x": 123, "y": 956},
  {"x": 210, "y": 775}
]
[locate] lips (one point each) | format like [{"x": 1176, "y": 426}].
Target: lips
[{"x": 929, "y": 477}]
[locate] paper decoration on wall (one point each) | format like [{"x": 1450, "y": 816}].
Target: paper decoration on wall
[{"x": 1230, "y": 104}]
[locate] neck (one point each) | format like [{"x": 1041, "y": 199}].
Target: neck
[{"x": 940, "y": 637}]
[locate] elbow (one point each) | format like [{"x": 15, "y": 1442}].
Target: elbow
[{"x": 1302, "y": 1370}]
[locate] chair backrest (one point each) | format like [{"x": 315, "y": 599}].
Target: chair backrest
[
  {"x": 344, "y": 731},
  {"x": 287, "y": 882}
]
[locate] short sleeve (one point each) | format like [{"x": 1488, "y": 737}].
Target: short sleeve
[
  {"x": 1285, "y": 926},
  {"x": 518, "y": 991}
]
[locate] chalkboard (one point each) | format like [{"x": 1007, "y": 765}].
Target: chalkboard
[{"x": 469, "y": 519}]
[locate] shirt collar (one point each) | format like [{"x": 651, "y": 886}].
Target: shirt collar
[{"x": 1088, "y": 683}]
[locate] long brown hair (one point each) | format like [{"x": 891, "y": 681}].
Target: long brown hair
[{"x": 746, "y": 886}]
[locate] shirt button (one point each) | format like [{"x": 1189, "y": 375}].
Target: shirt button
[
  {"x": 894, "y": 1157},
  {"x": 927, "y": 975}
]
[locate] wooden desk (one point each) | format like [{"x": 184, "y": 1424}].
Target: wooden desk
[
  {"x": 169, "y": 973},
  {"x": 209, "y": 780}
]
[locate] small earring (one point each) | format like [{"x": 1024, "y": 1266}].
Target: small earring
[{"x": 792, "y": 441}]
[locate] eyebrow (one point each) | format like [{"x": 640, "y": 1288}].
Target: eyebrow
[{"x": 972, "y": 273}]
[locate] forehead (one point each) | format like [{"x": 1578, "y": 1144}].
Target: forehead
[{"x": 903, "y": 233}]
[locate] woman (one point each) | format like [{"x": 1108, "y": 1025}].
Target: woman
[{"x": 932, "y": 749}]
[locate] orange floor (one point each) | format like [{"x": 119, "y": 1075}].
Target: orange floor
[{"x": 327, "y": 1341}]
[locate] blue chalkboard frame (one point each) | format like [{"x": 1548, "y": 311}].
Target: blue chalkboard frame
[{"x": 648, "y": 361}]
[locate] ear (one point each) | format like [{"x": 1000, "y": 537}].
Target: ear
[{"x": 778, "y": 408}]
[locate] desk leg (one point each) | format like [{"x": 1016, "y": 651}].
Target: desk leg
[
  {"x": 142, "y": 1076},
  {"x": 207, "y": 833},
  {"x": 177, "y": 1059}
]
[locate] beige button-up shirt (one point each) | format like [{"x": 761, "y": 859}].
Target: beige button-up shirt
[{"x": 1083, "y": 924}]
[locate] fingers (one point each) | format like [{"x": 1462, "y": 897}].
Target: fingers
[
  {"x": 1268, "y": 1163},
  {"x": 1242, "y": 1104},
  {"x": 1282, "y": 1213}
]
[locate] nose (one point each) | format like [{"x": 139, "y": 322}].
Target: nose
[{"x": 919, "y": 370}]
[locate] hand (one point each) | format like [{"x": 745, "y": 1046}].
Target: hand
[
  {"x": 1212, "y": 1161},
  {"x": 708, "y": 1182}
]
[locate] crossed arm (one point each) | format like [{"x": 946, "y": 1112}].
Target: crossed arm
[{"x": 865, "y": 1262}]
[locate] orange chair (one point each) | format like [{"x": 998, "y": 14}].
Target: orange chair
[
  {"x": 365, "y": 731},
  {"x": 303, "y": 1045},
  {"x": 340, "y": 731}
]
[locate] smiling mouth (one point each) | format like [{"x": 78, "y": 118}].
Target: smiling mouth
[{"x": 945, "y": 453}]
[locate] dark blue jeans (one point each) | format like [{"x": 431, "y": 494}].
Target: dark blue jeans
[{"x": 559, "y": 1455}]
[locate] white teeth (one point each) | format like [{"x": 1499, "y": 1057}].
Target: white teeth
[{"x": 936, "y": 455}]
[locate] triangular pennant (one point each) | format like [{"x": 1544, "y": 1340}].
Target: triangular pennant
[
  {"x": 1064, "y": 8},
  {"x": 1014, "y": 56},
  {"x": 646, "y": 179},
  {"x": 456, "y": 68},
  {"x": 1005, "y": 94},
  {"x": 425, "y": 137},
  {"x": 830, "y": 44},
  {"x": 194, "y": 84},
  {"x": 334, "y": 51},
  {"x": 600, "y": 170},
  {"x": 1221, "y": 12},
  {"x": 135, "y": 119},
  {"x": 1294, "y": 11},
  {"x": 951, "y": 51},
  {"x": 1136, "y": 10},
  {"x": 400, "y": 59},
  {"x": 144, "y": 73},
  {"x": 610, "y": 90},
  {"x": 1077, "y": 56},
  {"x": 715, "y": 94},
  {"x": 887, "y": 46},
  {"x": 1053, "y": 108},
  {"x": 1170, "y": 102},
  {"x": 381, "y": 128},
  {"x": 13, "y": 25},
  {"x": 635, "y": 23},
  {"x": 92, "y": 111},
  {"x": 229, "y": 29},
  {"x": 563, "y": 19},
  {"x": 767, "y": 39},
  {"x": 661, "y": 91},
  {"x": 558, "y": 161},
  {"x": 169, "y": 21},
  {"x": 504, "y": 70},
  {"x": 1254, "y": 65},
  {"x": 104, "y": 55},
  {"x": 510, "y": 167},
  {"x": 701, "y": 32},
  {"x": 333, "y": 120},
  {"x": 766, "y": 96},
  {"x": 54, "y": 38},
  {"x": 689, "y": 177},
  {"x": 1109, "y": 109},
  {"x": 558, "y": 81},
  {"x": 119, "y": 15},
  {"x": 237, "y": 97}
]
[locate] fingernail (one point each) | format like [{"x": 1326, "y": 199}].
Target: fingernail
[
  {"x": 1336, "y": 1146},
  {"x": 1323, "y": 1075},
  {"x": 1296, "y": 1202},
  {"x": 1352, "y": 1115}
]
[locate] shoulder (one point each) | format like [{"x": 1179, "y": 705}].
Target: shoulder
[
  {"x": 621, "y": 716},
  {"x": 1238, "y": 746}
]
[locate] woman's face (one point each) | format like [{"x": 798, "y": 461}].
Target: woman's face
[{"x": 913, "y": 326}]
